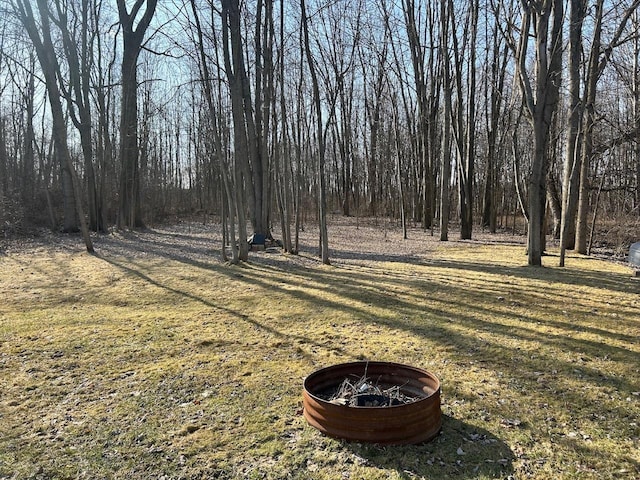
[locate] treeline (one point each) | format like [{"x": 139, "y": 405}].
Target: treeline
[{"x": 264, "y": 113}]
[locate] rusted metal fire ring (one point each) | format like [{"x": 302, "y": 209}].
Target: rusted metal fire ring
[{"x": 409, "y": 423}]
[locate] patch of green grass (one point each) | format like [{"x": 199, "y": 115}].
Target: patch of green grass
[{"x": 150, "y": 366}]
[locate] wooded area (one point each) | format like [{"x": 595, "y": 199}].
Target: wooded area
[{"x": 267, "y": 113}]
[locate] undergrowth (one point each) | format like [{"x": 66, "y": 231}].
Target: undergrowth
[{"x": 166, "y": 366}]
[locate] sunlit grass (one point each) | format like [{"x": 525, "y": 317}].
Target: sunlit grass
[{"x": 117, "y": 367}]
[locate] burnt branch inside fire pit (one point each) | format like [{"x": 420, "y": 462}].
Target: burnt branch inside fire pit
[{"x": 363, "y": 392}]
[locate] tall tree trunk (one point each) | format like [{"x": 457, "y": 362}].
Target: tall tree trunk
[
  {"x": 587, "y": 136},
  {"x": 268, "y": 105},
  {"x": 256, "y": 123},
  {"x": 445, "y": 176},
  {"x": 130, "y": 208},
  {"x": 373, "y": 105},
  {"x": 346, "y": 147},
  {"x": 398, "y": 167},
  {"x": 105, "y": 158},
  {"x": 4, "y": 155},
  {"x": 571, "y": 169},
  {"x": 497, "y": 75},
  {"x": 499, "y": 61},
  {"x": 322, "y": 195},
  {"x": 284, "y": 172},
  {"x": 423, "y": 144},
  {"x": 464, "y": 120},
  {"x": 234, "y": 66},
  {"x": 468, "y": 161},
  {"x": 541, "y": 103},
  {"x": 217, "y": 146},
  {"x": 28, "y": 152},
  {"x": 636, "y": 110},
  {"x": 258, "y": 117}
]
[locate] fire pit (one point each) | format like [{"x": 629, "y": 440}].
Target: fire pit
[{"x": 385, "y": 403}]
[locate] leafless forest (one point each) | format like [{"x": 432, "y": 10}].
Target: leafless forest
[{"x": 483, "y": 113}]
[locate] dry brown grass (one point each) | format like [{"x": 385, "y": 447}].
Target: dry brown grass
[{"x": 154, "y": 360}]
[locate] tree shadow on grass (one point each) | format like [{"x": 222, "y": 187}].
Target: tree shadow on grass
[
  {"x": 572, "y": 276},
  {"x": 421, "y": 319},
  {"x": 290, "y": 337},
  {"x": 461, "y": 450}
]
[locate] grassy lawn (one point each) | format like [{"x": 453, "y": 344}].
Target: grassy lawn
[{"x": 155, "y": 360}]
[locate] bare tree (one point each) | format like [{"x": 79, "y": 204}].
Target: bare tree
[
  {"x": 130, "y": 210},
  {"x": 259, "y": 119},
  {"x": 50, "y": 69},
  {"x": 572, "y": 153},
  {"x": 78, "y": 48},
  {"x": 496, "y": 118},
  {"x": 544, "y": 19},
  {"x": 215, "y": 146},
  {"x": 4, "y": 154},
  {"x": 28, "y": 154},
  {"x": 320, "y": 132},
  {"x": 376, "y": 61},
  {"x": 427, "y": 107},
  {"x": 252, "y": 114},
  {"x": 636, "y": 106},
  {"x": 283, "y": 167},
  {"x": 104, "y": 66},
  {"x": 599, "y": 56},
  {"x": 465, "y": 117},
  {"x": 243, "y": 141},
  {"x": 399, "y": 154},
  {"x": 445, "y": 176},
  {"x": 4, "y": 184},
  {"x": 338, "y": 48}
]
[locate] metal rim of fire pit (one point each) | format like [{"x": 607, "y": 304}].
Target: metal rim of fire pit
[{"x": 410, "y": 423}]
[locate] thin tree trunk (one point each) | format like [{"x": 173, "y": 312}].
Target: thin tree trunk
[
  {"x": 286, "y": 188},
  {"x": 445, "y": 177},
  {"x": 242, "y": 144},
  {"x": 571, "y": 172},
  {"x": 468, "y": 163},
  {"x": 595, "y": 206},
  {"x": 423, "y": 130},
  {"x": 495, "y": 97},
  {"x": 636, "y": 109},
  {"x": 398, "y": 165},
  {"x": 515, "y": 155},
  {"x": 229, "y": 204},
  {"x": 322, "y": 199},
  {"x": 4, "y": 181},
  {"x": 589, "y": 123},
  {"x": 553, "y": 203},
  {"x": 28, "y": 153}
]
